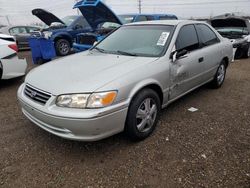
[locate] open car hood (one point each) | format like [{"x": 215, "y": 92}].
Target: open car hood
[
  {"x": 47, "y": 17},
  {"x": 96, "y": 12},
  {"x": 228, "y": 22}
]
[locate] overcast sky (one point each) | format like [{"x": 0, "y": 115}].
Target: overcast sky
[{"x": 19, "y": 11}]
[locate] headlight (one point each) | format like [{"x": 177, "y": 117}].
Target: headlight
[
  {"x": 72, "y": 101},
  {"x": 96, "y": 100},
  {"x": 99, "y": 100},
  {"x": 47, "y": 34}
]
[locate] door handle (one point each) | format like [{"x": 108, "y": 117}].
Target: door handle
[{"x": 201, "y": 59}]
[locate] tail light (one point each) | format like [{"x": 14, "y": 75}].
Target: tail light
[{"x": 13, "y": 47}]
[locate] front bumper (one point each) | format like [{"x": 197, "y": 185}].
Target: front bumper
[{"x": 90, "y": 126}]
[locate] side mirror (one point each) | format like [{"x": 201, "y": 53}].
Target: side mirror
[
  {"x": 176, "y": 55},
  {"x": 181, "y": 53}
]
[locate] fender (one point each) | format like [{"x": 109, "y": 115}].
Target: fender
[
  {"x": 61, "y": 34},
  {"x": 139, "y": 86}
]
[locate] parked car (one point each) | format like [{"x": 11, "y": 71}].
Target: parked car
[
  {"x": 124, "y": 81},
  {"x": 21, "y": 33},
  {"x": 130, "y": 18},
  {"x": 10, "y": 65},
  {"x": 62, "y": 31},
  {"x": 237, "y": 29}
]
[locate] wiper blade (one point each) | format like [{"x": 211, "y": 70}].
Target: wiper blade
[
  {"x": 126, "y": 53},
  {"x": 100, "y": 50}
]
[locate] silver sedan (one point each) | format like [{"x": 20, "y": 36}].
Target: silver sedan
[{"x": 124, "y": 81}]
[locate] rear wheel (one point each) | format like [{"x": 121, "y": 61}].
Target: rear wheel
[
  {"x": 62, "y": 47},
  {"x": 219, "y": 76},
  {"x": 143, "y": 115}
]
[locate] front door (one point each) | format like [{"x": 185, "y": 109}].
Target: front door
[{"x": 186, "y": 71}]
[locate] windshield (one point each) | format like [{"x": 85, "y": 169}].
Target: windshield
[
  {"x": 139, "y": 40},
  {"x": 126, "y": 18},
  {"x": 68, "y": 20}
]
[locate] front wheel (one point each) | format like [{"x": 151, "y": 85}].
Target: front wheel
[
  {"x": 1, "y": 71},
  {"x": 219, "y": 76},
  {"x": 143, "y": 115},
  {"x": 247, "y": 55},
  {"x": 62, "y": 47}
]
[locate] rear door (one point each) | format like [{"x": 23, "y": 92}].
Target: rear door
[
  {"x": 187, "y": 71},
  {"x": 210, "y": 48}
]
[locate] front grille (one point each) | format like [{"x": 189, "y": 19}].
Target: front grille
[{"x": 36, "y": 95}]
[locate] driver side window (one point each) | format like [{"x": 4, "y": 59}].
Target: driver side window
[{"x": 187, "y": 39}]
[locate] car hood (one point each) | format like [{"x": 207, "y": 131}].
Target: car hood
[
  {"x": 228, "y": 22},
  {"x": 83, "y": 73},
  {"x": 96, "y": 12},
  {"x": 47, "y": 17}
]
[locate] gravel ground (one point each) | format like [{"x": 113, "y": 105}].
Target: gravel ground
[{"x": 207, "y": 148}]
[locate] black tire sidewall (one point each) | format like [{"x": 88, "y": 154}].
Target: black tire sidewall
[
  {"x": 131, "y": 123},
  {"x": 1, "y": 71},
  {"x": 57, "y": 44}
]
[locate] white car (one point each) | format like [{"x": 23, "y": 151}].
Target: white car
[{"x": 10, "y": 65}]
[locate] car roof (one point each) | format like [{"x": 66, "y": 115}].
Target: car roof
[{"x": 166, "y": 22}]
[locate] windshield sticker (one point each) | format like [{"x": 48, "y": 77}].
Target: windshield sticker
[{"x": 163, "y": 39}]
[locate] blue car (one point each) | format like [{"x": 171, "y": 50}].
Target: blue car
[
  {"x": 130, "y": 18},
  {"x": 63, "y": 32}
]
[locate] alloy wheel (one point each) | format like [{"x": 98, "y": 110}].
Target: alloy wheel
[
  {"x": 221, "y": 74},
  {"x": 146, "y": 115}
]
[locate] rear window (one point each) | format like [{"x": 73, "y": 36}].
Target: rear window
[
  {"x": 17, "y": 30},
  {"x": 206, "y": 35}
]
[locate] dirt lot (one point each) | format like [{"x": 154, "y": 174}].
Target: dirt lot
[{"x": 207, "y": 148}]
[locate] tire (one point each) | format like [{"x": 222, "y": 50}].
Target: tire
[
  {"x": 143, "y": 115},
  {"x": 1, "y": 71},
  {"x": 62, "y": 47},
  {"x": 220, "y": 75},
  {"x": 247, "y": 53}
]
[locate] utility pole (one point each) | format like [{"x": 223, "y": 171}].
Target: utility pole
[
  {"x": 139, "y": 6},
  {"x": 8, "y": 20}
]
